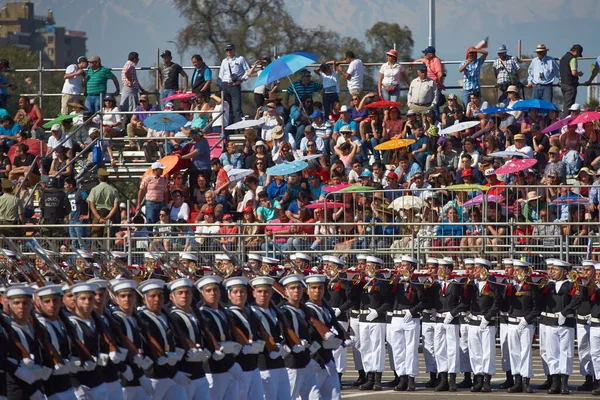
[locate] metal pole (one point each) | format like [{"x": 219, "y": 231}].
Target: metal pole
[
  {"x": 519, "y": 49},
  {"x": 432, "y": 22},
  {"x": 41, "y": 79},
  {"x": 129, "y": 250}
]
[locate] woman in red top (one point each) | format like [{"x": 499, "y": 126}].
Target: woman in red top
[{"x": 30, "y": 116}]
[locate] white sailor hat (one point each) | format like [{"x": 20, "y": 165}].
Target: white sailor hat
[
  {"x": 123, "y": 284},
  {"x": 397, "y": 260},
  {"x": 521, "y": 263},
  {"x": 255, "y": 257},
  {"x": 410, "y": 259},
  {"x": 301, "y": 256},
  {"x": 597, "y": 267},
  {"x": 218, "y": 256},
  {"x": 3, "y": 289},
  {"x": 483, "y": 261},
  {"x": 262, "y": 281},
  {"x": 50, "y": 290},
  {"x": 333, "y": 260},
  {"x": 468, "y": 261},
  {"x": 84, "y": 287},
  {"x": 225, "y": 257},
  {"x": 36, "y": 285},
  {"x": 270, "y": 260},
  {"x": 19, "y": 291},
  {"x": 431, "y": 260},
  {"x": 120, "y": 254},
  {"x": 293, "y": 278},
  {"x": 151, "y": 284},
  {"x": 8, "y": 253},
  {"x": 88, "y": 255},
  {"x": 361, "y": 257},
  {"x": 208, "y": 280},
  {"x": 235, "y": 281},
  {"x": 550, "y": 261},
  {"x": 588, "y": 263},
  {"x": 374, "y": 260},
  {"x": 561, "y": 264},
  {"x": 316, "y": 278},
  {"x": 148, "y": 256},
  {"x": 67, "y": 287},
  {"x": 102, "y": 283},
  {"x": 507, "y": 261},
  {"x": 188, "y": 256},
  {"x": 443, "y": 261},
  {"x": 179, "y": 283}
]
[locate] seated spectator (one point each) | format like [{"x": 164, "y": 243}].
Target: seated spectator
[
  {"x": 30, "y": 117},
  {"x": 282, "y": 152},
  {"x": 261, "y": 152},
  {"x": 135, "y": 127},
  {"x": 250, "y": 230},
  {"x": 249, "y": 199},
  {"x": 199, "y": 193},
  {"x": 231, "y": 157},
  {"x": 260, "y": 169},
  {"x": 342, "y": 122},
  {"x": 346, "y": 152},
  {"x": 474, "y": 231},
  {"x": 211, "y": 201},
  {"x": 470, "y": 149},
  {"x": 61, "y": 161},
  {"x": 110, "y": 122},
  {"x": 202, "y": 109},
  {"x": 555, "y": 166},
  {"x": 78, "y": 109},
  {"x": 179, "y": 184},
  {"x": 162, "y": 233},
  {"x": 57, "y": 137},
  {"x": 178, "y": 209},
  {"x": 5, "y": 164},
  {"x": 532, "y": 117},
  {"x": 298, "y": 120},
  {"x": 22, "y": 162},
  {"x": 494, "y": 183},
  {"x": 520, "y": 146},
  {"x": 221, "y": 184},
  {"x": 406, "y": 169},
  {"x": 316, "y": 188},
  {"x": 8, "y": 130},
  {"x": 228, "y": 231},
  {"x": 476, "y": 104},
  {"x": 269, "y": 120},
  {"x": 104, "y": 154},
  {"x": 265, "y": 211},
  {"x": 419, "y": 148}
]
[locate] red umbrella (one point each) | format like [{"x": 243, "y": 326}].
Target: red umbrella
[
  {"x": 335, "y": 188},
  {"x": 179, "y": 96},
  {"x": 383, "y": 104},
  {"x": 513, "y": 166},
  {"x": 587, "y": 116},
  {"x": 329, "y": 204},
  {"x": 36, "y": 147}
]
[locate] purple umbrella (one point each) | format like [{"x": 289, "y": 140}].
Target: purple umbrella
[
  {"x": 557, "y": 125},
  {"x": 477, "y": 200}
]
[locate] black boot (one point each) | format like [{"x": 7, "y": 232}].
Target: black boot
[
  {"x": 564, "y": 384},
  {"x": 340, "y": 378},
  {"x": 452, "y": 383},
  {"x": 466, "y": 383},
  {"x": 477, "y": 384},
  {"x": 509, "y": 382},
  {"x": 546, "y": 385},
  {"x": 518, "y": 386},
  {"x": 487, "y": 383},
  {"x": 377, "y": 384},
  {"x": 394, "y": 383},
  {"x": 527, "y": 387},
  {"x": 368, "y": 385},
  {"x": 432, "y": 380},
  {"x": 555, "y": 386},
  {"x": 362, "y": 378},
  {"x": 443, "y": 385},
  {"x": 402, "y": 384},
  {"x": 587, "y": 386},
  {"x": 411, "y": 384}
]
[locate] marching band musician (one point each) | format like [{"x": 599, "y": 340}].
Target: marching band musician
[
  {"x": 542, "y": 340},
  {"x": 595, "y": 327},
  {"x": 254, "y": 260},
  {"x": 188, "y": 329},
  {"x": 525, "y": 305},
  {"x": 251, "y": 386},
  {"x": 270, "y": 361},
  {"x": 356, "y": 282},
  {"x": 483, "y": 298},
  {"x": 190, "y": 262},
  {"x": 465, "y": 361},
  {"x": 507, "y": 263},
  {"x": 428, "y": 330},
  {"x": 396, "y": 271},
  {"x": 301, "y": 260},
  {"x": 301, "y": 368},
  {"x": 372, "y": 323},
  {"x": 583, "y": 328},
  {"x": 561, "y": 299}
]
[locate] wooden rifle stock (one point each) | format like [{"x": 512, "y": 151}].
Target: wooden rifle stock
[
  {"x": 238, "y": 334},
  {"x": 42, "y": 335},
  {"x": 10, "y": 335},
  {"x": 81, "y": 349},
  {"x": 203, "y": 325},
  {"x": 270, "y": 344},
  {"x": 106, "y": 336},
  {"x": 156, "y": 349}
]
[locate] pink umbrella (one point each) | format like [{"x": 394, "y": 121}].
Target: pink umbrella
[
  {"x": 179, "y": 96},
  {"x": 335, "y": 188},
  {"x": 587, "y": 116},
  {"x": 328, "y": 204},
  {"x": 513, "y": 166},
  {"x": 475, "y": 201},
  {"x": 557, "y": 125}
]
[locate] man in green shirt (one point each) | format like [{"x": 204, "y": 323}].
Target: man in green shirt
[
  {"x": 103, "y": 202},
  {"x": 96, "y": 84},
  {"x": 11, "y": 210}
]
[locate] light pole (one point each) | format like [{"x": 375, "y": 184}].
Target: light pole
[{"x": 431, "y": 22}]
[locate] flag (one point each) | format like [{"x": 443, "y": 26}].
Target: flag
[{"x": 483, "y": 44}]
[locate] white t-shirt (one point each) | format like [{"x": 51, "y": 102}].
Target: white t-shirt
[
  {"x": 181, "y": 212},
  {"x": 217, "y": 109},
  {"x": 248, "y": 200},
  {"x": 356, "y": 71},
  {"x": 525, "y": 150},
  {"x": 330, "y": 83},
  {"x": 268, "y": 124},
  {"x": 72, "y": 85},
  {"x": 53, "y": 142},
  {"x": 391, "y": 75},
  {"x": 108, "y": 118}
]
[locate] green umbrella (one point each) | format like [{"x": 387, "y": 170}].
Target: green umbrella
[
  {"x": 59, "y": 119},
  {"x": 355, "y": 188}
]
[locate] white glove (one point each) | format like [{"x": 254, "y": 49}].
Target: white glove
[
  {"x": 122, "y": 353},
  {"x": 448, "y": 319},
  {"x": 522, "y": 324},
  {"x": 285, "y": 350},
  {"x": 218, "y": 355},
  {"x": 89, "y": 366},
  {"x": 25, "y": 374},
  {"x": 182, "y": 379},
  {"x": 589, "y": 319},
  {"x": 337, "y": 311},
  {"x": 230, "y": 347},
  {"x": 196, "y": 355},
  {"x": 236, "y": 371},
  {"x": 298, "y": 348},
  {"x": 329, "y": 336},
  {"x": 114, "y": 357},
  {"x": 146, "y": 384},
  {"x": 172, "y": 358},
  {"x": 103, "y": 359},
  {"x": 259, "y": 346},
  {"x": 62, "y": 369},
  {"x": 333, "y": 344},
  {"x": 180, "y": 353},
  {"x": 247, "y": 349},
  {"x": 162, "y": 360},
  {"x": 46, "y": 373},
  {"x": 407, "y": 317},
  {"x": 274, "y": 354},
  {"x": 372, "y": 315},
  {"x": 484, "y": 324},
  {"x": 561, "y": 319},
  {"x": 74, "y": 365},
  {"x": 138, "y": 360},
  {"x": 28, "y": 362},
  {"x": 127, "y": 374},
  {"x": 304, "y": 343},
  {"x": 146, "y": 363},
  {"x": 314, "y": 347},
  {"x": 349, "y": 342},
  {"x": 37, "y": 396}
]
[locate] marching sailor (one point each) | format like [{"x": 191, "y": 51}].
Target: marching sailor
[
  {"x": 428, "y": 327},
  {"x": 583, "y": 328},
  {"x": 503, "y": 322},
  {"x": 465, "y": 361}
]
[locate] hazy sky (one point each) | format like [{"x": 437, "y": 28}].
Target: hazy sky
[{"x": 116, "y": 27}]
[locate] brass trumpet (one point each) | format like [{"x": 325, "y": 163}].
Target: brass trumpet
[{"x": 574, "y": 276}]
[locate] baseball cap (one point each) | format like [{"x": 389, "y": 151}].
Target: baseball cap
[
  {"x": 316, "y": 114},
  {"x": 165, "y": 54},
  {"x": 157, "y": 165},
  {"x": 248, "y": 209},
  {"x": 392, "y": 175},
  {"x": 429, "y": 49},
  {"x": 467, "y": 172},
  {"x": 227, "y": 216},
  {"x": 344, "y": 108},
  {"x": 409, "y": 113},
  {"x": 502, "y": 48},
  {"x": 519, "y": 136},
  {"x": 230, "y": 46},
  {"x": 56, "y": 127},
  {"x": 366, "y": 174},
  {"x": 81, "y": 59},
  {"x": 422, "y": 68},
  {"x": 578, "y": 48},
  {"x": 489, "y": 172},
  {"x": 575, "y": 107},
  {"x": 208, "y": 210}
]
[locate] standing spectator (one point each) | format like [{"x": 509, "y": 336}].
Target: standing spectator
[
  {"x": 135, "y": 127},
  {"x": 201, "y": 77},
  {"x": 506, "y": 70},
  {"x": 435, "y": 72},
  {"x": 390, "y": 72},
  {"x": 471, "y": 69},
  {"x": 200, "y": 156},
  {"x": 168, "y": 78},
  {"x": 422, "y": 93},
  {"x": 232, "y": 73},
  {"x": 54, "y": 207},
  {"x": 4, "y": 84},
  {"x": 79, "y": 212},
  {"x": 95, "y": 84},
  {"x": 302, "y": 88},
  {"x": 11, "y": 208},
  {"x": 103, "y": 202},
  {"x": 541, "y": 74},
  {"x": 354, "y": 74},
  {"x": 569, "y": 77},
  {"x": 131, "y": 85},
  {"x": 331, "y": 87},
  {"x": 155, "y": 190},
  {"x": 74, "y": 79},
  {"x": 261, "y": 93}
]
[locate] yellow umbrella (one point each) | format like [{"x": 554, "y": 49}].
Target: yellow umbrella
[
  {"x": 394, "y": 144},
  {"x": 468, "y": 188}
]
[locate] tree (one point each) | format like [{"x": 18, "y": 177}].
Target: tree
[{"x": 384, "y": 36}]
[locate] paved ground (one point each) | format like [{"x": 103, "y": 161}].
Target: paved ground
[{"x": 426, "y": 394}]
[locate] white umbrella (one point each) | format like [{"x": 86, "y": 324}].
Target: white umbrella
[
  {"x": 309, "y": 157},
  {"x": 508, "y": 153},
  {"x": 248, "y": 123},
  {"x": 237, "y": 174},
  {"x": 459, "y": 127},
  {"x": 406, "y": 202}
]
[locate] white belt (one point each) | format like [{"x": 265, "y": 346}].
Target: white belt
[
  {"x": 514, "y": 319},
  {"x": 399, "y": 313},
  {"x": 365, "y": 311},
  {"x": 555, "y": 315},
  {"x": 479, "y": 317},
  {"x": 596, "y": 320},
  {"x": 443, "y": 315},
  {"x": 429, "y": 311}
]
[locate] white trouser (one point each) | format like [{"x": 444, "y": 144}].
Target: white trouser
[
  {"x": 583, "y": 350},
  {"x": 404, "y": 341},
  {"x": 251, "y": 386},
  {"x": 354, "y": 326},
  {"x": 223, "y": 386},
  {"x": 465, "y": 362},
  {"x": 372, "y": 347},
  {"x": 595, "y": 346},
  {"x": 428, "y": 332},
  {"x": 447, "y": 347},
  {"x": 114, "y": 390},
  {"x": 482, "y": 349},
  {"x": 328, "y": 381},
  {"x": 166, "y": 388},
  {"x": 559, "y": 349},
  {"x": 66, "y": 395},
  {"x": 542, "y": 343},
  {"x": 135, "y": 393},
  {"x": 304, "y": 382},
  {"x": 519, "y": 349},
  {"x": 388, "y": 347},
  {"x": 340, "y": 355},
  {"x": 85, "y": 393},
  {"x": 198, "y": 390},
  {"x": 276, "y": 384},
  {"x": 504, "y": 347}
]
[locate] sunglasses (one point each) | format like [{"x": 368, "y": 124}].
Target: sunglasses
[
  {"x": 143, "y": 101},
  {"x": 163, "y": 214},
  {"x": 179, "y": 178}
]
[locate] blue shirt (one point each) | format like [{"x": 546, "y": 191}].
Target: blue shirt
[
  {"x": 16, "y": 128},
  {"x": 316, "y": 192},
  {"x": 445, "y": 229},
  {"x": 418, "y": 144},
  {"x": 276, "y": 192},
  {"x": 413, "y": 168},
  {"x": 542, "y": 72},
  {"x": 354, "y": 113},
  {"x": 339, "y": 124},
  {"x": 471, "y": 74},
  {"x": 235, "y": 160},
  {"x": 3, "y": 90},
  {"x": 201, "y": 161},
  {"x": 207, "y": 75}
]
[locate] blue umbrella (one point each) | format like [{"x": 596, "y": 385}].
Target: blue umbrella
[
  {"x": 570, "y": 199},
  {"x": 494, "y": 110},
  {"x": 286, "y": 168},
  {"x": 284, "y": 66},
  {"x": 526, "y": 105},
  {"x": 169, "y": 122}
]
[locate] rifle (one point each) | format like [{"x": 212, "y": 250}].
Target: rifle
[{"x": 10, "y": 334}]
